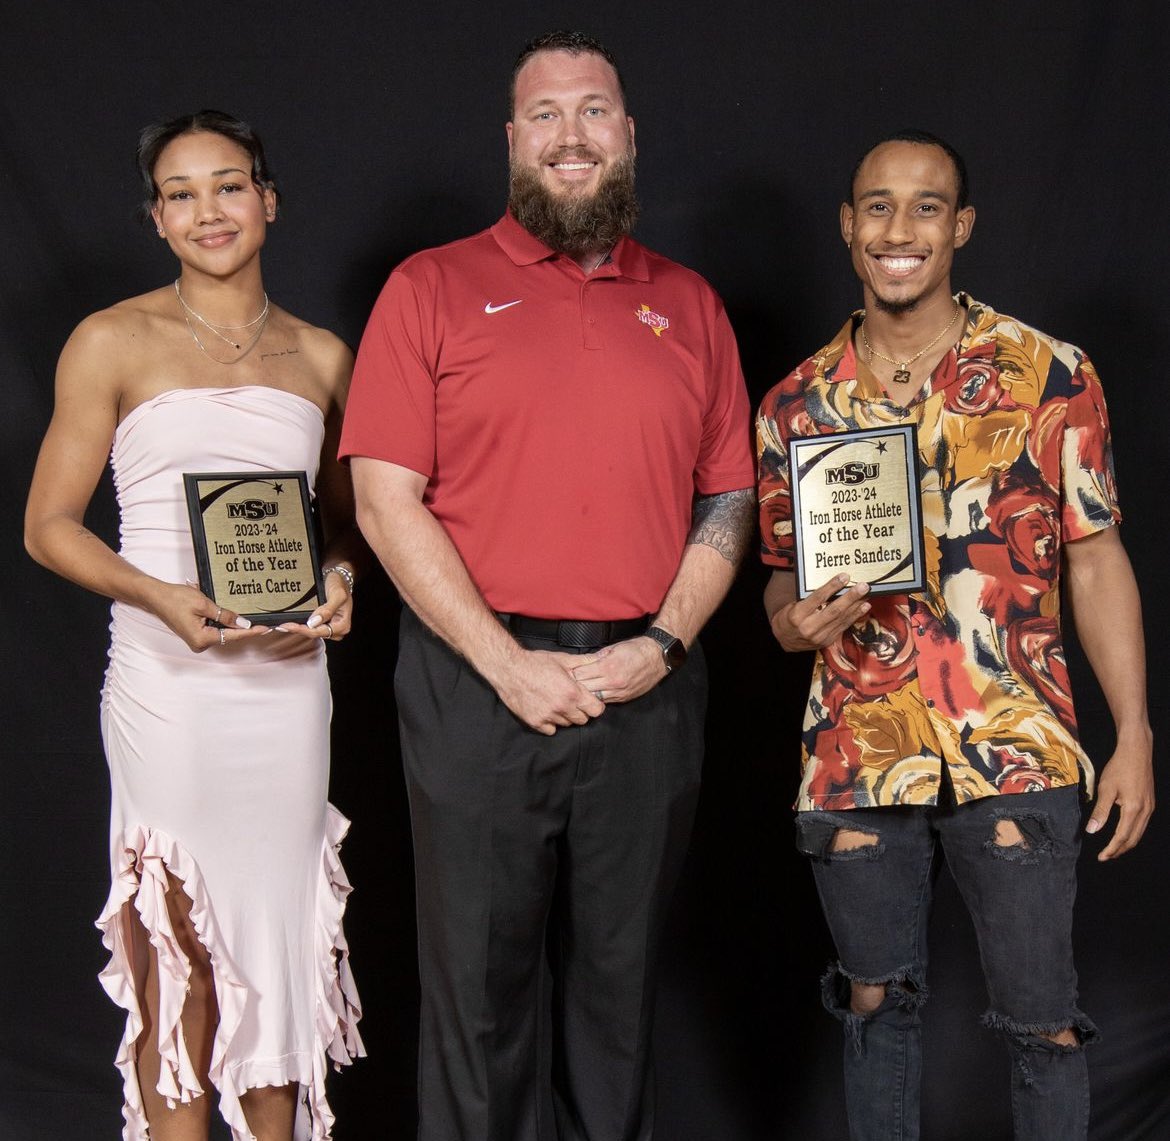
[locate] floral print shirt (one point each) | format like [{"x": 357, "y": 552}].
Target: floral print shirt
[{"x": 1015, "y": 460}]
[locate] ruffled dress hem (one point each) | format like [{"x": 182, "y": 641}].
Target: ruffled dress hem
[{"x": 140, "y": 880}]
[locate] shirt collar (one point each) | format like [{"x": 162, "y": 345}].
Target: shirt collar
[
  {"x": 628, "y": 258},
  {"x": 839, "y": 357}
]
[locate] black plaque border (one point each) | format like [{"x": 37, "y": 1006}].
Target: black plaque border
[
  {"x": 191, "y": 486},
  {"x": 914, "y": 489}
]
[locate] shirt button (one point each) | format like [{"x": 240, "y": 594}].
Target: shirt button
[
  {"x": 919, "y": 630},
  {"x": 930, "y": 702}
]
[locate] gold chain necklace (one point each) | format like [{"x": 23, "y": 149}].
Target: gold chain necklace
[
  {"x": 261, "y": 322},
  {"x": 902, "y": 368}
]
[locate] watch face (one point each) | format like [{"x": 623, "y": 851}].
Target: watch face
[{"x": 673, "y": 649}]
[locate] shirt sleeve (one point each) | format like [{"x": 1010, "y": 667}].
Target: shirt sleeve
[
  {"x": 1088, "y": 480},
  {"x": 777, "y": 547},
  {"x": 725, "y": 451},
  {"x": 390, "y": 413}
]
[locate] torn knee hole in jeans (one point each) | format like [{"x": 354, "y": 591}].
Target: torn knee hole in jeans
[
  {"x": 1023, "y": 838},
  {"x": 1041, "y": 1035},
  {"x": 903, "y": 992},
  {"x": 851, "y": 840},
  {"x": 828, "y": 839},
  {"x": 902, "y": 988},
  {"x": 1027, "y": 1039},
  {"x": 1008, "y": 834}
]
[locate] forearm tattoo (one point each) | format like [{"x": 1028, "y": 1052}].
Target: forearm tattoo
[{"x": 724, "y": 521}]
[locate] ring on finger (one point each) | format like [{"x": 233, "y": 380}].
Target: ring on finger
[
  {"x": 218, "y": 612},
  {"x": 599, "y": 694},
  {"x": 329, "y": 627},
  {"x": 222, "y": 636}
]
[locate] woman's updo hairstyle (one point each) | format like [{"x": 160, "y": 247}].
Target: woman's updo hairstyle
[{"x": 154, "y": 139}]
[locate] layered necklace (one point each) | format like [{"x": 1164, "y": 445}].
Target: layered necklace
[
  {"x": 902, "y": 368},
  {"x": 243, "y": 346}
]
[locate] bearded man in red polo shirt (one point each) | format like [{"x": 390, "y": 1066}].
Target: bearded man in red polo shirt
[
  {"x": 549, "y": 436},
  {"x": 940, "y": 721}
]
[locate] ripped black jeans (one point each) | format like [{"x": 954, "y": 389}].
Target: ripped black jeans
[{"x": 876, "y": 900}]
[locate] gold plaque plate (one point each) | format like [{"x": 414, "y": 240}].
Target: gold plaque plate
[
  {"x": 254, "y": 543},
  {"x": 857, "y": 509}
]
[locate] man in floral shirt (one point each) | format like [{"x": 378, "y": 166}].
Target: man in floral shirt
[{"x": 943, "y": 719}]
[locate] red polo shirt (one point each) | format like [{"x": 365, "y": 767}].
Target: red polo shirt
[{"x": 564, "y": 421}]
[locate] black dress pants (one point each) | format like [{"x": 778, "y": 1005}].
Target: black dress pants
[{"x": 522, "y": 843}]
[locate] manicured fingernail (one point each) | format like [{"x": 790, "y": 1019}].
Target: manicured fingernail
[
  {"x": 243, "y": 623},
  {"x": 314, "y": 621},
  {"x": 1093, "y": 826}
]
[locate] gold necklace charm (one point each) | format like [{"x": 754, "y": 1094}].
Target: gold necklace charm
[{"x": 902, "y": 368}]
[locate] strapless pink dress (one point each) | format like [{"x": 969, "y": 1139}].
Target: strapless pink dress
[{"x": 219, "y": 766}]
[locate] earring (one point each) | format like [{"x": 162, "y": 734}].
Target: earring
[{"x": 162, "y": 233}]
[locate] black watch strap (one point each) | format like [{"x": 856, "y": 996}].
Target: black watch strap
[{"x": 673, "y": 650}]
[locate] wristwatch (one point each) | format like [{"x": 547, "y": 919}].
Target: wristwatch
[{"x": 673, "y": 651}]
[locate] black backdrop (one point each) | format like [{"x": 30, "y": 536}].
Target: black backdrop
[{"x": 384, "y": 123}]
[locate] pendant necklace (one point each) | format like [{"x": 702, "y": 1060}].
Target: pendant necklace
[
  {"x": 902, "y": 368},
  {"x": 259, "y": 321}
]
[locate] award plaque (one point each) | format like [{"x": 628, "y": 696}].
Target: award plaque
[
  {"x": 856, "y": 509},
  {"x": 254, "y": 543}
]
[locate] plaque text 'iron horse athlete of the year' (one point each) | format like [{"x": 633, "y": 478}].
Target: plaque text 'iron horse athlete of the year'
[
  {"x": 856, "y": 509},
  {"x": 254, "y": 543}
]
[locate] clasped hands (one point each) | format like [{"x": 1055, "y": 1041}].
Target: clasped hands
[{"x": 549, "y": 690}]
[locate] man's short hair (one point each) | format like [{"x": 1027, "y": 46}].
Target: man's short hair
[
  {"x": 575, "y": 43},
  {"x": 925, "y": 138}
]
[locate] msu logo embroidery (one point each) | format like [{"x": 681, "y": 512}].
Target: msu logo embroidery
[{"x": 652, "y": 320}]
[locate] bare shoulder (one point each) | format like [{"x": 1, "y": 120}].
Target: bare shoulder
[
  {"x": 327, "y": 351},
  {"x": 326, "y": 360},
  {"x": 122, "y": 327},
  {"x": 105, "y": 350}
]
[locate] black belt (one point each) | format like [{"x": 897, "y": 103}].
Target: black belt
[{"x": 574, "y": 634}]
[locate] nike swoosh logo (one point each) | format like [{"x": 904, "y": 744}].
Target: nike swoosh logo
[{"x": 490, "y": 308}]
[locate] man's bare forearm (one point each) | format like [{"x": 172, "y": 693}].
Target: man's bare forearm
[
  {"x": 424, "y": 565},
  {"x": 721, "y": 529},
  {"x": 1106, "y": 608}
]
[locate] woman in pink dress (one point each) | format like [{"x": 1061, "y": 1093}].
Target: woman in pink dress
[{"x": 224, "y": 921}]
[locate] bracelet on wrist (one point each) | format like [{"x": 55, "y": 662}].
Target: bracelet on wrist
[{"x": 345, "y": 574}]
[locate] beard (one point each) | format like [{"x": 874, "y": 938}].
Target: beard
[
  {"x": 896, "y": 308},
  {"x": 575, "y": 224}
]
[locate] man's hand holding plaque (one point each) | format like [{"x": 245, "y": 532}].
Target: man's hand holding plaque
[{"x": 818, "y": 620}]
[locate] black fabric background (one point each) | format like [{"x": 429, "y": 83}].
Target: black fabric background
[{"x": 384, "y": 125}]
